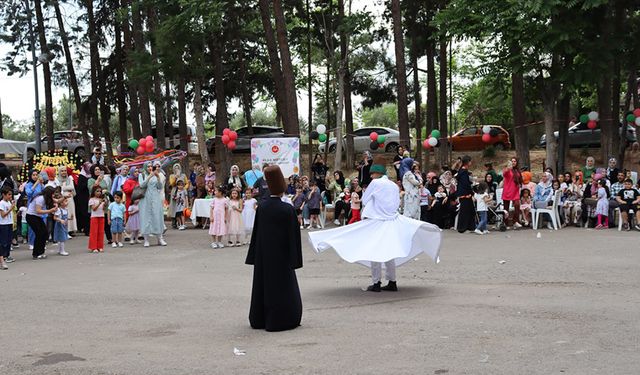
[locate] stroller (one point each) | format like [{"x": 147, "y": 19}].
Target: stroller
[{"x": 497, "y": 216}]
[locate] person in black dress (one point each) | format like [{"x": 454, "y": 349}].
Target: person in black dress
[
  {"x": 363, "y": 168},
  {"x": 464, "y": 192},
  {"x": 319, "y": 170},
  {"x": 275, "y": 252},
  {"x": 82, "y": 199}
]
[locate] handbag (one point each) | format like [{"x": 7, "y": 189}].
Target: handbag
[{"x": 138, "y": 193}]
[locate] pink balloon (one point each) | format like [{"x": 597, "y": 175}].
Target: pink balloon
[
  {"x": 592, "y": 125},
  {"x": 149, "y": 147},
  {"x": 149, "y": 138},
  {"x": 373, "y": 136},
  {"x": 142, "y": 143},
  {"x": 140, "y": 150},
  {"x": 226, "y": 131},
  {"x": 231, "y": 145},
  {"x": 233, "y": 135},
  {"x": 636, "y": 112},
  {"x": 425, "y": 144},
  {"x": 225, "y": 139},
  {"x": 486, "y": 138}
]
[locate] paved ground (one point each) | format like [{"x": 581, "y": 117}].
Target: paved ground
[{"x": 566, "y": 303}]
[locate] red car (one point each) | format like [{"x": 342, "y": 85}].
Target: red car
[{"x": 470, "y": 139}]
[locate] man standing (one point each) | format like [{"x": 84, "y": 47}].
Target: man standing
[{"x": 275, "y": 252}]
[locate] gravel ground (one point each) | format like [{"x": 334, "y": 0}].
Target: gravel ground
[{"x": 565, "y": 303}]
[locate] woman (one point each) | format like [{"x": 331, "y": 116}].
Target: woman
[
  {"x": 65, "y": 182},
  {"x": 433, "y": 183},
  {"x": 396, "y": 162},
  {"x": 234, "y": 181},
  {"x": 355, "y": 186},
  {"x": 589, "y": 169},
  {"x": 512, "y": 183},
  {"x": 128, "y": 186},
  {"x": 99, "y": 176},
  {"x": 81, "y": 200},
  {"x": 41, "y": 204},
  {"x": 466, "y": 211},
  {"x": 412, "y": 183},
  {"x": 543, "y": 196},
  {"x": 119, "y": 179},
  {"x": 363, "y": 168},
  {"x": 573, "y": 202},
  {"x": 492, "y": 186},
  {"x": 336, "y": 188},
  {"x": 319, "y": 170},
  {"x": 174, "y": 177},
  {"x": 33, "y": 188},
  {"x": 150, "y": 206},
  {"x": 446, "y": 179},
  {"x": 5, "y": 178}
]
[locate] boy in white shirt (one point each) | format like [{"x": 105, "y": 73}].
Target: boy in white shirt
[
  {"x": 482, "y": 198},
  {"x": 6, "y": 225}
]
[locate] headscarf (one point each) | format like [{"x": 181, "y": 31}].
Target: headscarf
[
  {"x": 51, "y": 173},
  {"x": 549, "y": 181},
  {"x": 431, "y": 185},
  {"x": 177, "y": 169},
  {"x": 85, "y": 170},
  {"x": 61, "y": 180},
  {"x": 526, "y": 177},
  {"x": 132, "y": 171},
  {"x": 405, "y": 165},
  {"x": 235, "y": 181}
]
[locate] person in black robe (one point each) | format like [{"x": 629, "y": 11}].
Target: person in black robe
[
  {"x": 464, "y": 192},
  {"x": 275, "y": 252},
  {"x": 82, "y": 200}
]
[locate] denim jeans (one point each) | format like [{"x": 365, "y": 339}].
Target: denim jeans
[{"x": 482, "y": 224}]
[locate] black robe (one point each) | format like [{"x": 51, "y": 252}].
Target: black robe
[
  {"x": 275, "y": 252},
  {"x": 82, "y": 204}
]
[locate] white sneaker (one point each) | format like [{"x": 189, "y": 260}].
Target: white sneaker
[
  {"x": 63, "y": 253},
  {"x": 30, "y": 247},
  {"x": 146, "y": 243},
  {"x": 550, "y": 226},
  {"x": 114, "y": 244},
  {"x": 318, "y": 226},
  {"x": 182, "y": 227},
  {"x": 517, "y": 225},
  {"x": 214, "y": 245},
  {"x": 4, "y": 266},
  {"x": 238, "y": 244},
  {"x": 336, "y": 222},
  {"x": 478, "y": 231},
  {"x": 486, "y": 232},
  {"x": 302, "y": 227},
  {"x": 120, "y": 244},
  {"x": 162, "y": 242},
  {"x": 220, "y": 245}
]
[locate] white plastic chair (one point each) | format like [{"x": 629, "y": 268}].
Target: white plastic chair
[{"x": 551, "y": 210}]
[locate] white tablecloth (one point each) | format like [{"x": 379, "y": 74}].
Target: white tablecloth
[{"x": 201, "y": 208}]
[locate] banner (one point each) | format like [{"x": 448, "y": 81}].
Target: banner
[{"x": 283, "y": 152}]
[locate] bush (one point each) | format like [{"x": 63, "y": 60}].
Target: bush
[{"x": 489, "y": 152}]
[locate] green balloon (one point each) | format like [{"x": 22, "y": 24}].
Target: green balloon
[
  {"x": 381, "y": 139},
  {"x": 435, "y": 133},
  {"x": 133, "y": 144},
  {"x": 631, "y": 117},
  {"x": 322, "y": 137},
  {"x": 584, "y": 119}
]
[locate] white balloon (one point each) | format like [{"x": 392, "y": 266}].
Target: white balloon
[
  {"x": 321, "y": 129},
  {"x": 638, "y": 121},
  {"x": 486, "y": 129},
  {"x": 593, "y": 116},
  {"x": 433, "y": 141}
]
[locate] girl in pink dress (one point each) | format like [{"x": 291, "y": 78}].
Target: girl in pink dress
[
  {"x": 217, "y": 225},
  {"x": 235, "y": 227}
]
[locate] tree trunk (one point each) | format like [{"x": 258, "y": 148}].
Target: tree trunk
[
  {"x": 310, "y": 89},
  {"x": 197, "y": 109},
  {"x": 287, "y": 70},
  {"x": 563, "y": 111},
  {"x": 44, "y": 50},
  {"x": 182, "y": 117},
  {"x": 247, "y": 102},
  {"x": 274, "y": 62},
  {"x": 549, "y": 116},
  {"x": 169, "y": 114},
  {"x": 222, "y": 119},
  {"x": 444, "y": 146},
  {"x": 143, "y": 85},
  {"x": 432, "y": 96},
  {"x": 416, "y": 94},
  {"x": 71, "y": 74},
  {"x": 619, "y": 137},
  {"x": 105, "y": 115},
  {"x": 520, "y": 132},
  {"x": 1, "y": 124},
  {"x": 120, "y": 92},
  {"x": 158, "y": 100},
  {"x": 95, "y": 71},
  {"x": 134, "y": 110},
  {"x": 401, "y": 74},
  {"x": 606, "y": 120},
  {"x": 348, "y": 109}
]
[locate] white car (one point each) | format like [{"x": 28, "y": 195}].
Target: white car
[
  {"x": 361, "y": 140},
  {"x": 173, "y": 141}
]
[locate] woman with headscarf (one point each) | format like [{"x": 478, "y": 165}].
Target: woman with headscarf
[
  {"x": 336, "y": 187},
  {"x": 234, "y": 181},
  {"x": 412, "y": 183},
  {"x": 33, "y": 188},
  {"x": 543, "y": 196},
  {"x": 41, "y": 204},
  {"x": 81, "y": 200},
  {"x": 150, "y": 206},
  {"x": 68, "y": 189},
  {"x": 589, "y": 168},
  {"x": 432, "y": 183},
  {"x": 319, "y": 170},
  {"x": 174, "y": 177},
  {"x": 511, "y": 186},
  {"x": 128, "y": 186},
  {"x": 405, "y": 164},
  {"x": 120, "y": 178},
  {"x": 99, "y": 176},
  {"x": 464, "y": 193},
  {"x": 449, "y": 183},
  {"x": 363, "y": 168}
]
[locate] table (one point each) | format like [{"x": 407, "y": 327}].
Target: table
[{"x": 201, "y": 208}]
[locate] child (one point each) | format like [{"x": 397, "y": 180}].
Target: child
[
  {"x": 438, "y": 206},
  {"x": 96, "y": 224},
  {"x": 313, "y": 203},
  {"x": 525, "y": 206},
  {"x": 602, "y": 207},
  {"x": 133, "y": 222},
  {"x": 181, "y": 199},
  {"x": 482, "y": 198},
  {"x": 425, "y": 197},
  {"x": 248, "y": 213},
  {"x": 235, "y": 225},
  {"x": 24, "y": 230},
  {"x": 115, "y": 217},
  {"x": 217, "y": 227},
  {"x": 6, "y": 225},
  {"x": 298, "y": 202},
  {"x": 60, "y": 230},
  {"x": 629, "y": 198},
  {"x": 355, "y": 208}
]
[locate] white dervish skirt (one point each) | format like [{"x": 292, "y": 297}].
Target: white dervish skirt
[{"x": 372, "y": 240}]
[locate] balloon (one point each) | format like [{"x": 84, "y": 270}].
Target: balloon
[
  {"x": 631, "y": 117},
  {"x": 584, "y": 119},
  {"x": 149, "y": 139},
  {"x": 592, "y": 125},
  {"x": 321, "y": 129},
  {"x": 381, "y": 139},
  {"x": 425, "y": 144},
  {"x": 486, "y": 129},
  {"x": 142, "y": 142},
  {"x": 380, "y": 145},
  {"x": 140, "y": 150},
  {"x": 225, "y": 139},
  {"x": 493, "y": 133},
  {"x": 438, "y": 143},
  {"x": 636, "y": 112},
  {"x": 133, "y": 144},
  {"x": 231, "y": 145},
  {"x": 637, "y": 121},
  {"x": 226, "y": 131},
  {"x": 314, "y": 134},
  {"x": 322, "y": 137},
  {"x": 593, "y": 116},
  {"x": 233, "y": 135},
  {"x": 373, "y": 136},
  {"x": 187, "y": 212},
  {"x": 486, "y": 138},
  {"x": 149, "y": 147},
  {"x": 373, "y": 145},
  {"x": 433, "y": 141},
  {"x": 435, "y": 133}
]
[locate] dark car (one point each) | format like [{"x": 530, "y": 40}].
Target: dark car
[
  {"x": 243, "y": 143},
  {"x": 581, "y": 136}
]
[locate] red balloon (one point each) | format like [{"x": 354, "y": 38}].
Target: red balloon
[
  {"x": 149, "y": 147},
  {"x": 373, "y": 136},
  {"x": 381, "y": 145},
  {"x": 425, "y": 144},
  {"x": 486, "y": 138},
  {"x": 231, "y": 145},
  {"x": 592, "y": 124},
  {"x": 140, "y": 150},
  {"x": 226, "y": 131},
  {"x": 149, "y": 138},
  {"x": 225, "y": 139},
  {"x": 636, "y": 112},
  {"x": 142, "y": 142},
  {"x": 233, "y": 135}
]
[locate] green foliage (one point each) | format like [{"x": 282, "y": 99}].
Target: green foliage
[
  {"x": 262, "y": 116},
  {"x": 385, "y": 115},
  {"x": 17, "y": 131},
  {"x": 489, "y": 152}
]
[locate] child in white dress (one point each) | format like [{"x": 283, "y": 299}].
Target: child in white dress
[{"x": 248, "y": 213}]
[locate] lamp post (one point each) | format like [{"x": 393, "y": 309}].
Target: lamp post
[{"x": 32, "y": 42}]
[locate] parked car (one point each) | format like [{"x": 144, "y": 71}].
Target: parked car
[
  {"x": 470, "y": 139},
  {"x": 361, "y": 140},
  {"x": 243, "y": 143},
  {"x": 174, "y": 139},
  {"x": 581, "y": 136},
  {"x": 70, "y": 140}
]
